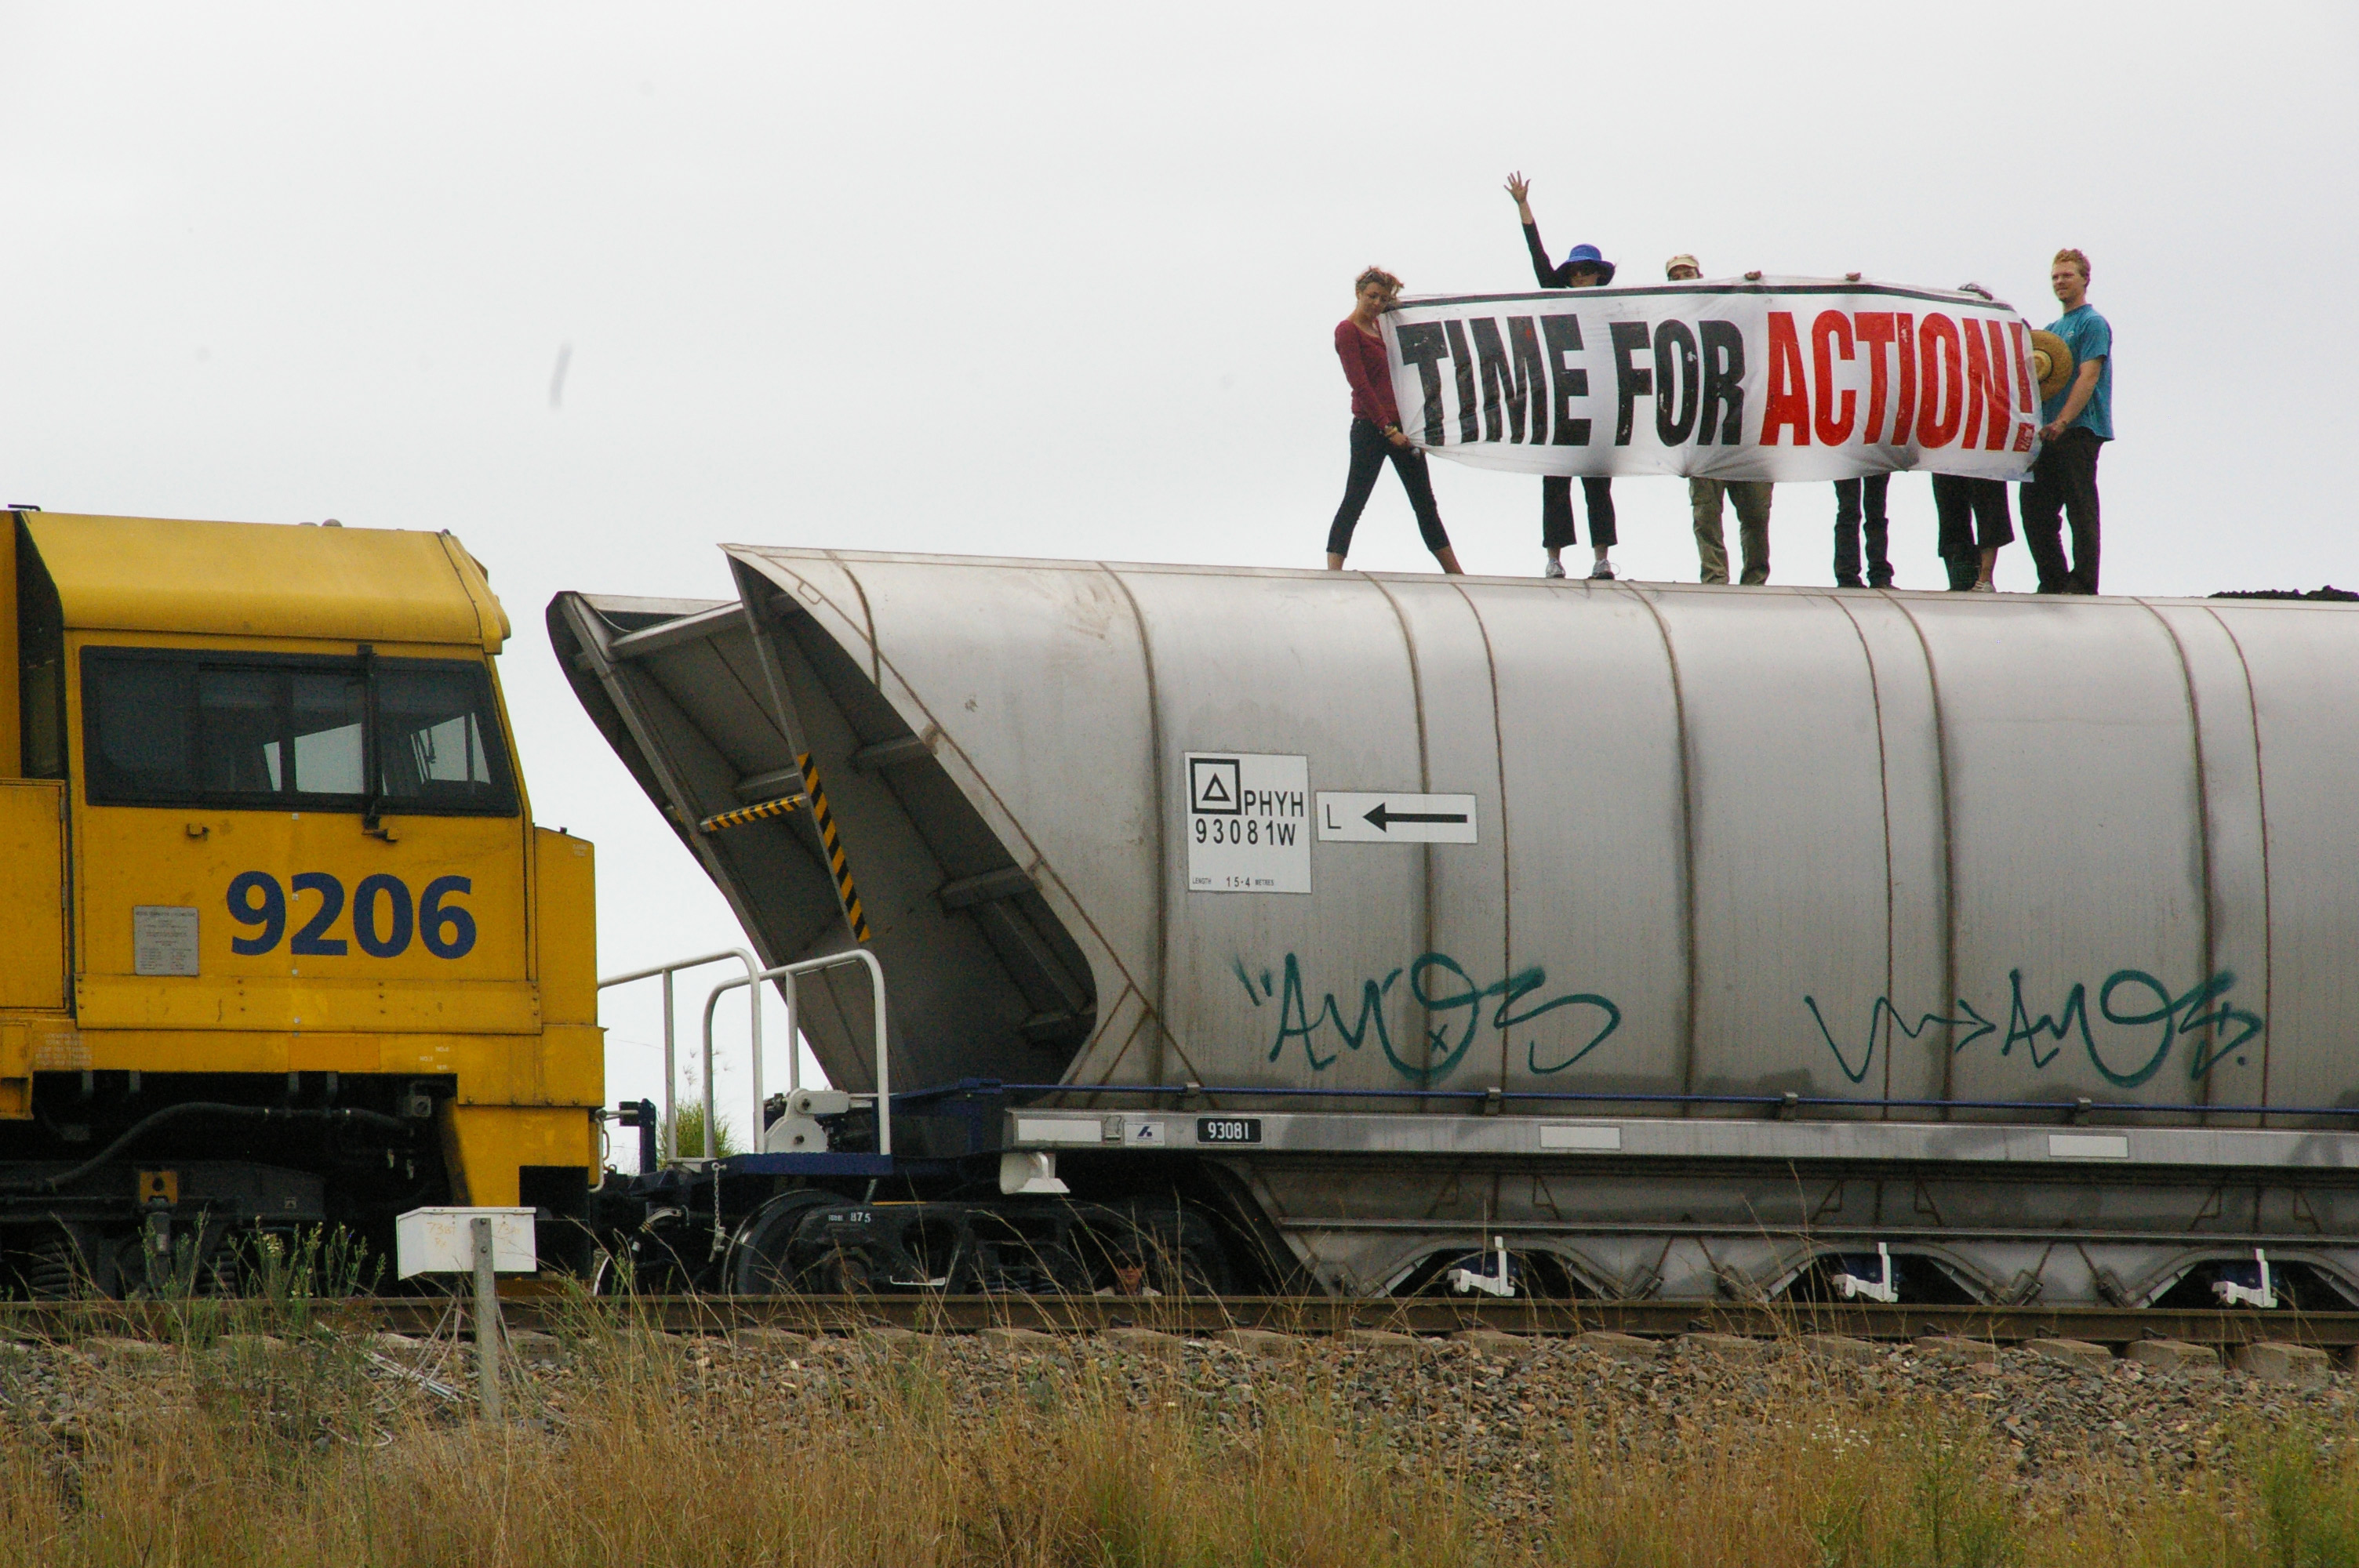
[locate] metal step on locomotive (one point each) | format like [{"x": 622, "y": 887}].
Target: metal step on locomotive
[{"x": 1371, "y": 934}]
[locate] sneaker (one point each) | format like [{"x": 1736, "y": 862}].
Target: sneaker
[
  {"x": 1602, "y": 572},
  {"x": 1849, "y": 582},
  {"x": 1983, "y": 588},
  {"x": 1554, "y": 569},
  {"x": 1885, "y": 580}
]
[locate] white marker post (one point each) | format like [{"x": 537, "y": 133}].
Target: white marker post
[
  {"x": 487, "y": 1311},
  {"x": 483, "y": 1242}
]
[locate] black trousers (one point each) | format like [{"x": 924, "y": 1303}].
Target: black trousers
[
  {"x": 1857, "y": 502},
  {"x": 1369, "y": 450},
  {"x": 1971, "y": 517},
  {"x": 2064, "y": 481},
  {"x": 1556, "y": 511}
]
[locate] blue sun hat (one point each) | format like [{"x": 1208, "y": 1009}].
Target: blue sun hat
[{"x": 1591, "y": 255}]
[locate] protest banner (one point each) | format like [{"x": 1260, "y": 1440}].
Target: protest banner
[{"x": 1776, "y": 379}]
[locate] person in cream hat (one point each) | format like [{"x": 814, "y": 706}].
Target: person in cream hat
[{"x": 1751, "y": 497}]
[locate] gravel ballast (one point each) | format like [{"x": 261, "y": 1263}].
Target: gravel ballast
[{"x": 1486, "y": 1403}]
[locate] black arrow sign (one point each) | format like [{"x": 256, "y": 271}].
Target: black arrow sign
[{"x": 1381, "y": 817}]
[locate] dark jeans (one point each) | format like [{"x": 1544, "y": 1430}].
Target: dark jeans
[
  {"x": 2064, "y": 481},
  {"x": 1849, "y": 495},
  {"x": 1555, "y": 511},
  {"x": 1971, "y": 515},
  {"x": 1369, "y": 450}
]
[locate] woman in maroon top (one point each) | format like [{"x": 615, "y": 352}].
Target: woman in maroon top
[{"x": 1377, "y": 431}]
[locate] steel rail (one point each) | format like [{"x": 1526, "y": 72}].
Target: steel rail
[{"x": 1199, "y": 1316}]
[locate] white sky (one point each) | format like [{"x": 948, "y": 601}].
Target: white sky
[{"x": 1059, "y": 281}]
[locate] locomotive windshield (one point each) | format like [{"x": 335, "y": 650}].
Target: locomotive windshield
[{"x": 275, "y": 732}]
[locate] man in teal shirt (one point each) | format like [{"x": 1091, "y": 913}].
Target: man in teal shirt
[{"x": 2077, "y": 422}]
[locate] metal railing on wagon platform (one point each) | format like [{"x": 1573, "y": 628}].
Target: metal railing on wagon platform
[
  {"x": 882, "y": 1099},
  {"x": 665, "y": 1149}
]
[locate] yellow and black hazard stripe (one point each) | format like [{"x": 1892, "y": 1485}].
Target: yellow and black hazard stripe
[
  {"x": 755, "y": 813},
  {"x": 848, "y": 895}
]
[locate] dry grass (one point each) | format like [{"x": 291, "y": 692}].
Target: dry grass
[{"x": 256, "y": 1457}]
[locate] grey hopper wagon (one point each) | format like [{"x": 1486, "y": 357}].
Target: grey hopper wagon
[{"x": 1684, "y": 942}]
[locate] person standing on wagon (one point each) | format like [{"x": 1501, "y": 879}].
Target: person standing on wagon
[
  {"x": 1751, "y": 497},
  {"x": 2079, "y": 421},
  {"x": 1376, "y": 432},
  {"x": 1584, "y": 267}
]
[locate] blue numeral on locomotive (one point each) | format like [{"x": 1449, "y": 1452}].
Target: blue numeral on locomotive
[
  {"x": 313, "y": 939},
  {"x": 394, "y": 936},
  {"x": 384, "y": 919},
  {"x": 270, "y": 913}
]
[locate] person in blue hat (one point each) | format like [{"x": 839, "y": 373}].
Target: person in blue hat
[{"x": 1584, "y": 267}]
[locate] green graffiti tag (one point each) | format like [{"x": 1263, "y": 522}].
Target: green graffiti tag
[
  {"x": 2203, "y": 1007},
  {"x": 1877, "y": 1014},
  {"x": 1449, "y": 1041}
]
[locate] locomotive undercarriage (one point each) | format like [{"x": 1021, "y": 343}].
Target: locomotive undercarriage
[{"x": 128, "y": 1184}]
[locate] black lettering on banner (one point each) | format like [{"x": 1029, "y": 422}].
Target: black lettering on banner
[
  {"x": 1462, "y": 363},
  {"x": 1423, "y": 345},
  {"x": 1512, "y": 372},
  {"x": 1630, "y": 381},
  {"x": 1724, "y": 382},
  {"x": 1679, "y": 376},
  {"x": 1562, "y": 335}
]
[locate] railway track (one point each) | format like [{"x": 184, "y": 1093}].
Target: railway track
[{"x": 1306, "y": 1315}]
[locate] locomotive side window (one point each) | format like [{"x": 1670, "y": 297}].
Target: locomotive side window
[
  {"x": 274, "y": 732},
  {"x": 436, "y": 721},
  {"x": 279, "y": 731},
  {"x": 138, "y": 736}
]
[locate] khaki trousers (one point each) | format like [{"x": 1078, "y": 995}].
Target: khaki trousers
[{"x": 1751, "y": 498}]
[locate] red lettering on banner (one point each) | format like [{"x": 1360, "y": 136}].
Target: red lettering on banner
[
  {"x": 1942, "y": 398},
  {"x": 2022, "y": 336},
  {"x": 1789, "y": 396},
  {"x": 2001, "y": 413},
  {"x": 1833, "y": 428},
  {"x": 1986, "y": 386},
  {"x": 1874, "y": 332},
  {"x": 1904, "y": 384}
]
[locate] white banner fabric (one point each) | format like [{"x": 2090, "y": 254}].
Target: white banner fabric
[{"x": 1780, "y": 379}]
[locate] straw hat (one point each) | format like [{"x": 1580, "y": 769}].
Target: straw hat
[{"x": 2052, "y": 361}]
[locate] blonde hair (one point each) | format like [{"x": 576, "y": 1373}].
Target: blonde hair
[
  {"x": 1377, "y": 274},
  {"x": 2077, "y": 259}
]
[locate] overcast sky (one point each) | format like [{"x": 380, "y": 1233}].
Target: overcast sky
[{"x": 1059, "y": 281}]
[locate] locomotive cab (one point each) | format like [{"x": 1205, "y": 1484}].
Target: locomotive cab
[{"x": 284, "y": 947}]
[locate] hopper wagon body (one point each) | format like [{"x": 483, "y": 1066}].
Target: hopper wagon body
[{"x": 1360, "y": 933}]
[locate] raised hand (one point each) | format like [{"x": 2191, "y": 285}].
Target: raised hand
[{"x": 1518, "y": 187}]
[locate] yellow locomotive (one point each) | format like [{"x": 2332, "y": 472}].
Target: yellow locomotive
[{"x": 279, "y": 945}]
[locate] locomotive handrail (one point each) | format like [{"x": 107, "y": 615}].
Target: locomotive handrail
[
  {"x": 668, "y": 1149},
  {"x": 882, "y": 1099}
]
